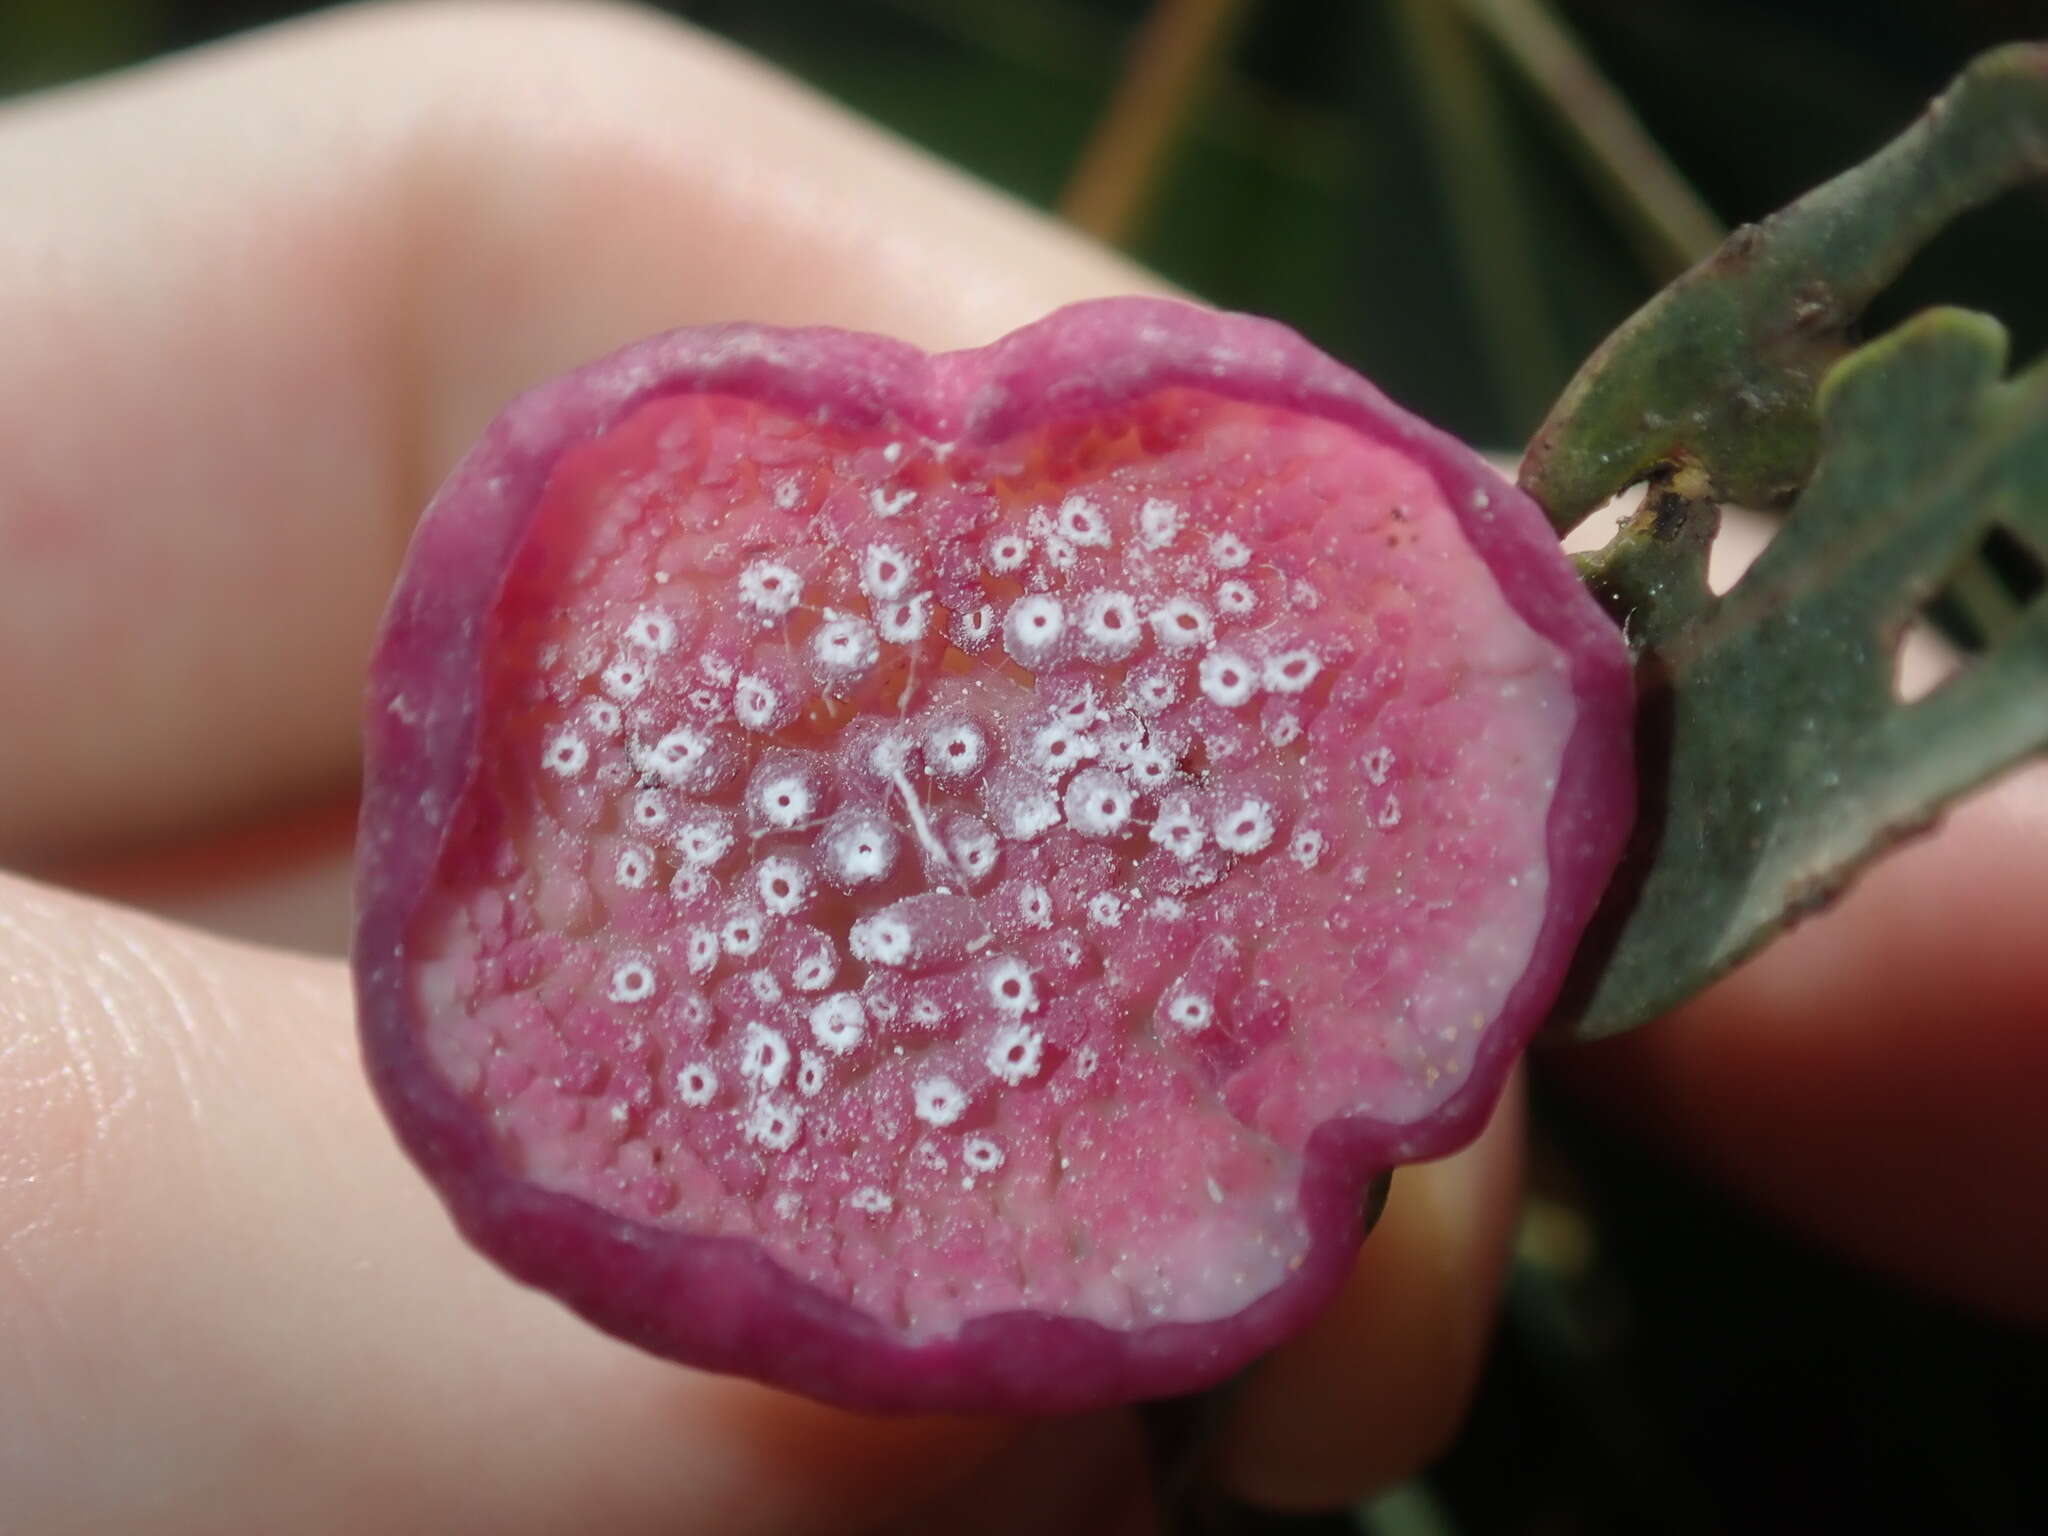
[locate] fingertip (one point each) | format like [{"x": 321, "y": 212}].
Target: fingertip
[
  {"x": 1874, "y": 1077},
  {"x": 1378, "y": 1385}
]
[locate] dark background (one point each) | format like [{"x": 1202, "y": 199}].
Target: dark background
[{"x": 1669, "y": 1362}]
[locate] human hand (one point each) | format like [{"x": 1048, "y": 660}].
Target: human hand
[{"x": 257, "y": 301}]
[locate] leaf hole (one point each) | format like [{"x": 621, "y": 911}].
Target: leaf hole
[{"x": 1983, "y": 597}]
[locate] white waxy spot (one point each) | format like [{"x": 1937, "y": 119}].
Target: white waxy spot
[
  {"x": 885, "y": 571},
  {"x": 1377, "y": 764},
  {"x": 1179, "y": 830},
  {"x": 1082, "y": 522},
  {"x": 890, "y": 755},
  {"x": 770, "y": 588},
  {"x": 1110, "y": 626},
  {"x": 1058, "y": 747},
  {"x": 1023, "y": 811},
  {"x": 1034, "y": 906},
  {"x": 566, "y": 755},
  {"x": 625, "y": 679},
  {"x": 632, "y": 982},
  {"x": 1079, "y": 710},
  {"x": 1105, "y": 909},
  {"x": 1229, "y": 552},
  {"x": 1245, "y": 827},
  {"x": 815, "y": 971},
  {"x": 892, "y": 452},
  {"x": 1228, "y": 678},
  {"x": 652, "y": 631},
  {"x": 1032, "y": 629},
  {"x": 1010, "y": 986},
  {"x": 1284, "y": 730},
  {"x": 1292, "y": 671},
  {"x": 1181, "y": 624},
  {"x": 701, "y": 951},
  {"x": 1191, "y": 1011},
  {"x": 890, "y": 503},
  {"x": 861, "y": 849},
  {"x": 973, "y": 847},
  {"x": 677, "y": 757},
  {"x": 845, "y": 646},
  {"x": 1390, "y": 815},
  {"x": 1007, "y": 552},
  {"x": 1059, "y": 551},
  {"x": 649, "y": 810},
  {"x": 787, "y": 1204},
  {"x": 783, "y": 884},
  {"x": 981, "y": 1154},
  {"x": 764, "y": 1057},
  {"x": 1086, "y": 1061},
  {"x": 1097, "y": 803},
  {"x": 1168, "y": 908},
  {"x": 758, "y": 703},
  {"x": 604, "y": 717},
  {"x": 1015, "y": 1053},
  {"x": 1236, "y": 598},
  {"x": 1306, "y": 848},
  {"x": 882, "y": 941},
  {"x": 1159, "y": 523},
  {"x": 973, "y": 628},
  {"x": 811, "y": 1074},
  {"x": 703, "y": 842},
  {"x": 784, "y": 801},
  {"x": 956, "y": 749},
  {"x": 633, "y": 868},
  {"x": 1148, "y": 768},
  {"x": 938, "y": 1101},
  {"x": 696, "y": 1085},
  {"x": 1481, "y": 501},
  {"x": 871, "y": 1200},
  {"x": 742, "y": 934},
  {"x": 1121, "y": 737},
  {"x": 905, "y": 622},
  {"x": 774, "y": 1125},
  {"x": 764, "y": 986},
  {"x": 1152, "y": 692},
  {"x": 838, "y": 1023},
  {"x": 786, "y": 494}
]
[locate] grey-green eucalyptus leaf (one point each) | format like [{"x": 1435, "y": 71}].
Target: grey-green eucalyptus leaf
[
  {"x": 1777, "y": 757},
  {"x": 1719, "y": 371}
]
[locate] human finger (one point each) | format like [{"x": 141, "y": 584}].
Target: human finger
[{"x": 239, "y": 361}]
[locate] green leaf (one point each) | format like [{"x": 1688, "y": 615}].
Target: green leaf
[
  {"x": 1720, "y": 370},
  {"x": 1777, "y": 756}
]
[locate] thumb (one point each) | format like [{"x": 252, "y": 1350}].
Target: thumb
[{"x": 219, "y": 1281}]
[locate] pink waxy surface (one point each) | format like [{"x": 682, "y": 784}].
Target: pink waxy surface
[{"x": 937, "y": 881}]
